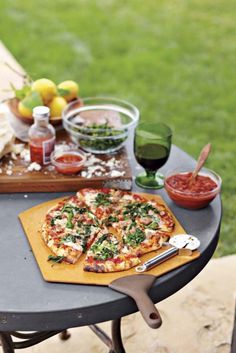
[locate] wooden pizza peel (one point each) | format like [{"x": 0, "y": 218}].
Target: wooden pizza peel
[{"x": 127, "y": 282}]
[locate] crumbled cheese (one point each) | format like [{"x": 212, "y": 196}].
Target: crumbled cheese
[
  {"x": 91, "y": 160},
  {"x": 18, "y": 148},
  {"x": 117, "y": 173},
  {"x": 149, "y": 232},
  {"x": 98, "y": 174},
  {"x": 125, "y": 250},
  {"x": 13, "y": 156},
  {"x": 34, "y": 166},
  {"x": 25, "y": 154},
  {"x": 61, "y": 222},
  {"x": 9, "y": 172},
  {"x": 73, "y": 245},
  {"x": 64, "y": 146},
  {"x": 55, "y": 213},
  {"x": 128, "y": 197},
  {"x": 99, "y": 167},
  {"x": 84, "y": 174}
]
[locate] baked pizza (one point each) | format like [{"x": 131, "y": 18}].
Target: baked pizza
[{"x": 113, "y": 227}]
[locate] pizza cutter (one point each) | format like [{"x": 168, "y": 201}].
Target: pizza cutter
[
  {"x": 181, "y": 244},
  {"x": 137, "y": 286}
]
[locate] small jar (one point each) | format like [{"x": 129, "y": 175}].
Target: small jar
[{"x": 41, "y": 136}]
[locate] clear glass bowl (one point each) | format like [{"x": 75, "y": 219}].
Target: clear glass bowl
[
  {"x": 68, "y": 162},
  {"x": 101, "y": 125},
  {"x": 191, "y": 199}
]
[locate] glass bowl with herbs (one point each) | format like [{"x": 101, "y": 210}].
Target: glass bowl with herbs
[{"x": 101, "y": 125}]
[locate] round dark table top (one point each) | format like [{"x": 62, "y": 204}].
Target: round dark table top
[{"x": 27, "y": 302}]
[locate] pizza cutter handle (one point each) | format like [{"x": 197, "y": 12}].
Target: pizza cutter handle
[
  {"x": 148, "y": 310},
  {"x": 157, "y": 259}
]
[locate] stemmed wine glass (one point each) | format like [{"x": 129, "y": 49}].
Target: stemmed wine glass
[{"x": 152, "y": 144}]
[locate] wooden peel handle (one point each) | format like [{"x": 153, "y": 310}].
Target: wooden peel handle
[
  {"x": 137, "y": 287},
  {"x": 148, "y": 310}
]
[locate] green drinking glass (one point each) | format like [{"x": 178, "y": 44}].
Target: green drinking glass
[{"x": 152, "y": 144}]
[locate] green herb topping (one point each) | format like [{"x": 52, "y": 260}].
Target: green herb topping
[
  {"x": 136, "y": 209},
  {"x": 104, "y": 248},
  {"x": 111, "y": 219},
  {"x": 135, "y": 238},
  {"x": 70, "y": 238},
  {"x": 74, "y": 209},
  {"x": 55, "y": 259},
  {"x": 102, "y": 199},
  {"x": 69, "y": 223},
  {"x": 154, "y": 225}
]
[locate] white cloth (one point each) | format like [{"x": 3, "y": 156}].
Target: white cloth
[{"x": 20, "y": 128}]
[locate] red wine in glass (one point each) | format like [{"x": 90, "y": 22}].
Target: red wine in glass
[
  {"x": 152, "y": 145},
  {"x": 152, "y": 156}
]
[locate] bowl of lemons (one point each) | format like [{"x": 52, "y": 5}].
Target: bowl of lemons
[{"x": 43, "y": 92}]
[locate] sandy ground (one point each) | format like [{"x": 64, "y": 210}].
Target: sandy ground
[{"x": 197, "y": 319}]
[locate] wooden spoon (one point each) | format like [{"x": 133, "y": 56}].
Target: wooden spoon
[{"x": 201, "y": 160}]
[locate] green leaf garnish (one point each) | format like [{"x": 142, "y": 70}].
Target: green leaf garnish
[
  {"x": 62, "y": 91},
  {"x": 102, "y": 199},
  {"x": 104, "y": 248},
  {"x": 136, "y": 209},
  {"x": 154, "y": 225},
  {"x": 70, "y": 238},
  {"x": 21, "y": 93},
  {"x": 55, "y": 259},
  {"x": 111, "y": 219},
  {"x": 32, "y": 100},
  {"x": 69, "y": 223},
  {"x": 135, "y": 238}
]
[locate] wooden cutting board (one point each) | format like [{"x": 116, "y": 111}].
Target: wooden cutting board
[
  {"x": 46, "y": 180},
  {"x": 32, "y": 221}
]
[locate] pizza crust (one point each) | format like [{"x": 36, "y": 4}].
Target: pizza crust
[{"x": 124, "y": 263}]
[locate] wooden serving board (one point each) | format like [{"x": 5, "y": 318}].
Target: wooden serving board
[
  {"x": 32, "y": 221},
  {"x": 48, "y": 180}
]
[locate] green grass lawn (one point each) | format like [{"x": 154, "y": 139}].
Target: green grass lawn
[{"x": 175, "y": 60}]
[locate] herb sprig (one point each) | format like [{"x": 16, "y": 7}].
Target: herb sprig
[
  {"x": 102, "y": 199},
  {"x": 56, "y": 259},
  {"x": 135, "y": 238}
]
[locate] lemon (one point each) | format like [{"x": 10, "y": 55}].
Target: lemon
[
  {"x": 46, "y": 88},
  {"x": 24, "y": 111},
  {"x": 57, "y": 105},
  {"x": 72, "y": 87}
]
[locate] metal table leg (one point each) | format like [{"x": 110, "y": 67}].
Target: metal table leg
[
  {"x": 64, "y": 335},
  {"x": 116, "y": 336},
  {"x": 114, "y": 343},
  {"x": 7, "y": 344}
]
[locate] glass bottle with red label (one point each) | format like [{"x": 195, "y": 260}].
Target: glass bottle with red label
[{"x": 41, "y": 136}]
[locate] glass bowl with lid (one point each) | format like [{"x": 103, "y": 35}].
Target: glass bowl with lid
[{"x": 101, "y": 125}]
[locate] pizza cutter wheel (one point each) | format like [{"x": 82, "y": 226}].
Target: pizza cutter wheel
[{"x": 181, "y": 244}]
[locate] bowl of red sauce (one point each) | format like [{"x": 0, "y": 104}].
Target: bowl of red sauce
[
  {"x": 196, "y": 194},
  {"x": 68, "y": 162}
]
